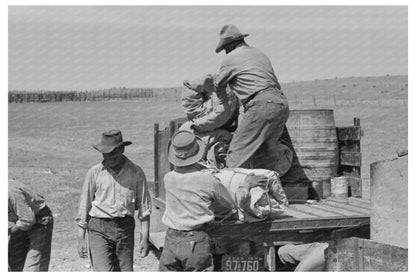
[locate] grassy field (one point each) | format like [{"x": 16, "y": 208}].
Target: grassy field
[{"x": 50, "y": 143}]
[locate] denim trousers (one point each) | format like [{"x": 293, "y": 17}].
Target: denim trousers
[
  {"x": 111, "y": 243},
  {"x": 260, "y": 126},
  {"x": 186, "y": 251},
  {"x": 307, "y": 257},
  {"x": 31, "y": 250}
]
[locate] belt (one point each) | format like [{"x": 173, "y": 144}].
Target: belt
[
  {"x": 251, "y": 97},
  {"x": 188, "y": 232},
  {"x": 127, "y": 217}
]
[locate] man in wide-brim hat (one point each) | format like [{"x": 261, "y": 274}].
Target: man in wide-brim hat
[
  {"x": 191, "y": 192},
  {"x": 113, "y": 190},
  {"x": 264, "y": 111}
]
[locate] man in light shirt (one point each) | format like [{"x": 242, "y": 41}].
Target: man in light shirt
[
  {"x": 112, "y": 191},
  {"x": 30, "y": 229},
  {"x": 193, "y": 196}
]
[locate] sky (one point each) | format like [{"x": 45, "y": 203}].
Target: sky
[{"x": 96, "y": 47}]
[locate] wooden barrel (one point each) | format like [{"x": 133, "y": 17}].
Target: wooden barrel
[{"x": 314, "y": 138}]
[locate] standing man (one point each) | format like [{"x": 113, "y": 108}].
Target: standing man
[
  {"x": 112, "y": 191},
  {"x": 30, "y": 229},
  {"x": 265, "y": 109},
  {"x": 192, "y": 197}
]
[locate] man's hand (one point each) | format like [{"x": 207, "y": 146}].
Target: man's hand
[
  {"x": 82, "y": 244},
  {"x": 82, "y": 249},
  {"x": 14, "y": 229},
  {"x": 143, "y": 248},
  {"x": 252, "y": 180}
]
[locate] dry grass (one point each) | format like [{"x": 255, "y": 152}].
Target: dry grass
[{"x": 50, "y": 143}]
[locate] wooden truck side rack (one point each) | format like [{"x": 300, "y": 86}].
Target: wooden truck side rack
[{"x": 304, "y": 222}]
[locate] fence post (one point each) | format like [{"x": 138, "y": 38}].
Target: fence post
[{"x": 314, "y": 101}]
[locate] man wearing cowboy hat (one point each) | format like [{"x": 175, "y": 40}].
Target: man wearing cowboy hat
[
  {"x": 264, "y": 111},
  {"x": 193, "y": 196},
  {"x": 112, "y": 191}
]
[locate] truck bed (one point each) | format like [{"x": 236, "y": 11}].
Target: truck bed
[
  {"x": 307, "y": 222},
  {"x": 329, "y": 213}
]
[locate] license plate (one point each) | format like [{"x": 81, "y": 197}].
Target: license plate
[{"x": 239, "y": 263}]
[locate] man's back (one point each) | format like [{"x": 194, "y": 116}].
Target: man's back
[
  {"x": 247, "y": 70},
  {"x": 190, "y": 196}
]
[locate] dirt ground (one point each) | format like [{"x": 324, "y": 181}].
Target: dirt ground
[{"x": 50, "y": 143}]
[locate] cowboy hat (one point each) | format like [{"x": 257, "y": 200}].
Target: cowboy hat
[
  {"x": 110, "y": 140},
  {"x": 228, "y": 34},
  {"x": 185, "y": 148}
]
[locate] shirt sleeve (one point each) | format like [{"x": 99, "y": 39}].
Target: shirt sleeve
[
  {"x": 26, "y": 217},
  {"x": 144, "y": 202},
  {"x": 222, "y": 195},
  {"x": 222, "y": 78},
  {"x": 215, "y": 119},
  {"x": 86, "y": 198}
]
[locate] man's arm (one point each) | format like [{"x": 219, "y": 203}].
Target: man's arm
[
  {"x": 215, "y": 119},
  {"x": 26, "y": 217},
  {"x": 144, "y": 235},
  {"x": 82, "y": 243},
  {"x": 144, "y": 207},
  {"x": 86, "y": 198}
]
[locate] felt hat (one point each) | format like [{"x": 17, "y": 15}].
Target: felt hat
[
  {"x": 228, "y": 34},
  {"x": 110, "y": 140},
  {"x": 185, "y": 148}
]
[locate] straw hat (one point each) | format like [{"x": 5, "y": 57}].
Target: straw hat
[
  {"x": 185, "y": 148},
  {"x": 228, "y": 34},
  {"x": 110, "y": 140}
]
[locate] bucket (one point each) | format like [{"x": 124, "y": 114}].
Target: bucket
[
  {"x": 339, "y": 187},
  {"x": 314, "y": 138}
]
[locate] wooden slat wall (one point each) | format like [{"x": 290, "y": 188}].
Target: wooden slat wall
[
  {"x": 162, "y": 165},
  {"x": 355, "y": 254},
  {"x": 349, "y": 139}
]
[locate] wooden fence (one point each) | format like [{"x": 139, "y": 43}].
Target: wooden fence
[
  {"x": 101, "y": 95},
  {"x": 174, "y": 95}
]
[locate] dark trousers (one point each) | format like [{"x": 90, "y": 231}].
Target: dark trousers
[
  {"x": 111, "y": 243},
  {"x": 259, "y": 128},
  {"x": 186, "y": 251},
  {"x": 31, "y": 250}
]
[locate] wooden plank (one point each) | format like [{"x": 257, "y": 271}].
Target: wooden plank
[
  {"x": 297, "y": 214},
  {"x": 164, "y": 165},
  {"x": 352, "y": 201},
  {"x": 349, "y": 133},
  {"x": 362, "y": 231},
  {"x": 346, "y": 206},
  {"x": 355, "y": 185},
  {"x": 157, "y": 239},
  {"x": 349, "y": 146},
  {"x": 337, "y": 211},
  {"x": 350, "y": 158},
  {"x": 159, "y": 202},
  {"x": 346, "y": 170},
  {"x": 309, "y": 209},
  {"x": 156, "y": 158},
  {"x": 365, "y": 203},
  {"x": 355, "y": 254}
]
